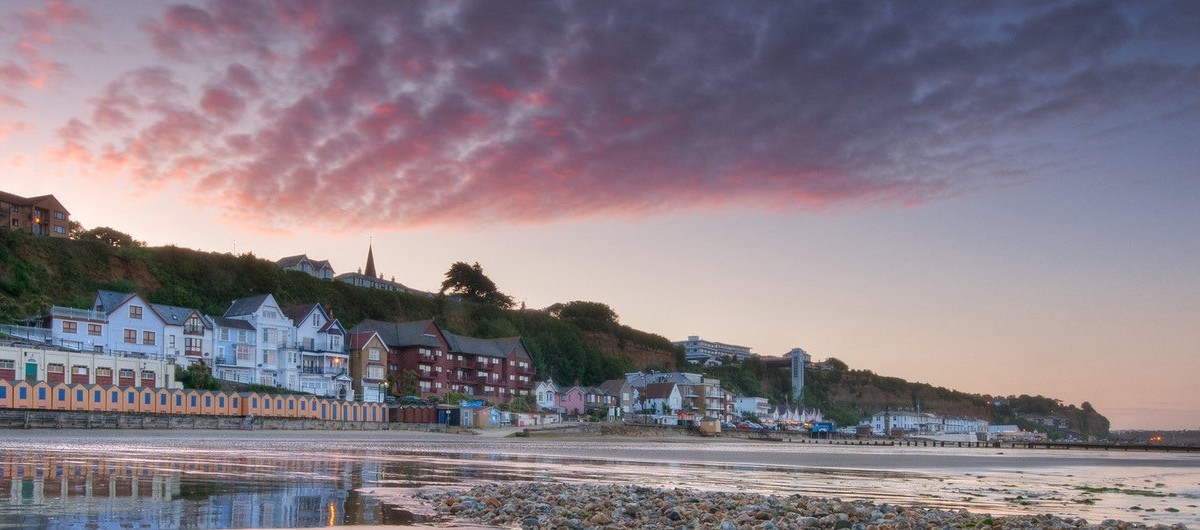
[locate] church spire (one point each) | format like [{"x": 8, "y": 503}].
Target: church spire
[{"x": 370, "y": 270}]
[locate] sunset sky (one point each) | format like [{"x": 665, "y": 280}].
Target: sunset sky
[{"x": 995, "y": 197}]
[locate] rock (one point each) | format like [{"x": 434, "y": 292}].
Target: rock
[{"x": 530, "y": 522}]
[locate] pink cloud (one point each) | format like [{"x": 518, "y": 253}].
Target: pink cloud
[
  {"x": 8, "y": 128},
  {"x": 402, "y": 114},
  {"x": 10, "y": 101}
]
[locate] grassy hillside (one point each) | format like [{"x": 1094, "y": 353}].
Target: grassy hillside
[{"x": 36, "y": 273}]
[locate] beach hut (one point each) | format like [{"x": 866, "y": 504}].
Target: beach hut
[
  {"x": 6, "y": 394},
  {"x": 251, "y": 404},
  {"x": 145, "y": 400},
  {"x": 178, "y": 406},
  {"x": 129, "y": 401},
  {"x": 60, "y": 396},
  {"x": 208, "y": 403},
  {"x": 291, "y": 406},
  {"x": 235, "y": 404},
  {"x": 191, "y": 402},
  {"x": 41, "y": 395},
  {"x": 162, "y": 400},
  {"x": 222, "y": 404}
]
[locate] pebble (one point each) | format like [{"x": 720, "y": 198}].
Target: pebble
[{"x": 545, "y": 505}]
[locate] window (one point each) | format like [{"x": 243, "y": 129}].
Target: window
[
  {"x": 269, "y": 357},
  {"x": 103, "y": 372},
  {"x": 373, "y": 354},
  {"x": 148, "y": 374},
  {"x": 135, "y": 311},
  {"x": 245, "y": 353},
  {"x": 60, "y": 216},
  {"x": 315, "y": 322},
  {"x": 148, "y": 338},
  {"x": 60, "y": 229},
  {"x": 54, "y": 368},
  {"x": 191, "y": 344},
  {"x": 125, "y": 373},
  {"x": 335, "y": 342},
  {"x": 94, "y": 330},
  {"x": 70, "y": 327},
  {"x": 131, "y": 336},
  {"x": 170, "y": 341},
  {"x": 225, "y": 334},
  {"x": 7, "y": 364},
  {"x": 375, "y": 372},
  {"x": 79, "y": 369}
]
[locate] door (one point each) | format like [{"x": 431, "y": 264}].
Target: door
[{"x": 31, "y": 371}]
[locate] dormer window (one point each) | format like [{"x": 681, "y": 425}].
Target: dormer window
[{"x": 135, "y": 311}]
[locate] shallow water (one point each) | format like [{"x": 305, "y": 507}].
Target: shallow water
[{"x": 215, "y": 479}]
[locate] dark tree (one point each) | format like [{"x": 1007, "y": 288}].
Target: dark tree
[
  {"x": 110, "y": 236},
  {"x": 469, "y": 282},
  {"x": 579, "y": 310}
]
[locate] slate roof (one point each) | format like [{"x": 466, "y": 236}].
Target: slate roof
[
  {"x": 359, "y": 340},
  {"x": 176, "y": 316},
  {"x": 612, "y": 387},
  {"x": 400, "y": 334},
  {"x": 299, "y": 313},
  {"x": 233, "y": 323},
  {"x": 472, "y": 345},
  {"x": 245, "y": 306},
  {"x": 110, "y": 300}
]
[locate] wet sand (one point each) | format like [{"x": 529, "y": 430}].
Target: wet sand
[{"x": 1145, "y": 488}]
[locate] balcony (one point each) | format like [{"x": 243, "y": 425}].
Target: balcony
[
  {"x": 193, "y": 330},
  {"x": 330, "y": 371}
]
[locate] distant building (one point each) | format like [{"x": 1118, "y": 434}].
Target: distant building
[
  {"x": 710, "y": 353},
  {"x": 800, "y": 360},
  {"x": 40, "y": 216},
  {"x": 317, "y": 269},
  {"x": 701, "y": 396},
  {"x": 370, "y": 279}
]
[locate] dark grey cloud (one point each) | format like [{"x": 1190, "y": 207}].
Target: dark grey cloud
[{"x": 409, "y": 113}]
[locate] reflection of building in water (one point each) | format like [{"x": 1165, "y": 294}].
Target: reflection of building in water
[{"x": 164, "y": 492}]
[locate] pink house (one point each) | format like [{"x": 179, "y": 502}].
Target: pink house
[{"x": 571, "y": 400}]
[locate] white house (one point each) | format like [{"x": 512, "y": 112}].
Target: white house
[
  {"x": 134, "y": 327},
  {"x": 274, "y": 365},
  {"x": 545, "y": 392},
  {"x": 759, "y": 406},
  {"x": 656, "y": 395},
  {"x": 235, "y": 356},
  {"x": 187, "y": 334},
  {"x": 324, "y": 362}
]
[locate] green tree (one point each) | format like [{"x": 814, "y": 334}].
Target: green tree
[
  {"x": 110, "y": 236},
  {"x": 197, "y": 376},
  {"x": 580, "y": 310},
  {"x": 469, "y": 282}
]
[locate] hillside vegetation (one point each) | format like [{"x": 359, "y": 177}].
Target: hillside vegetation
[
  {"x": 573, "y": 342},
  {"x": 36, "y": 273}
]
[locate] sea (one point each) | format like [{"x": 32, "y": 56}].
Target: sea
[{"x": 302, "y": 479}]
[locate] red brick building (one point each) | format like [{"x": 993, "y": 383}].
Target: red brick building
[
  {"x": 493, "y": 369},
  {"x": 41, "y": 216}
]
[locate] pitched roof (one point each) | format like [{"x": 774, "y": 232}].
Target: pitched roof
[
  {"x": 107, "y": 301},
  {"x": 176, "y": 316},
  {"x": 245, "y": 306},
  {"x": 291, "y": 261},
  {"x": 233, "y": 323},
  {"x": 18, "y": 200},
  {"x": 659, "y": 390},
  {"x": 359, "y": 340},
  {"x": 299, "y": 313},
  {"x": 613, "y": 387},
  {"x": 472, "y": 345},
  {"x": 400, "y": 334}
]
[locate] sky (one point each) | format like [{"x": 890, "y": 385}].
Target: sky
[{"x": 994, "y": 197}]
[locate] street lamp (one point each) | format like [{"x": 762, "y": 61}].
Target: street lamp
[{"x": 382, "y": 391}]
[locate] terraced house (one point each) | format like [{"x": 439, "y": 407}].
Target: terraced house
[{"x": 496, "y": 369}]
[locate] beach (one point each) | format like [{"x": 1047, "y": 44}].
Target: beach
[{"x": 237, "y": 479}]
